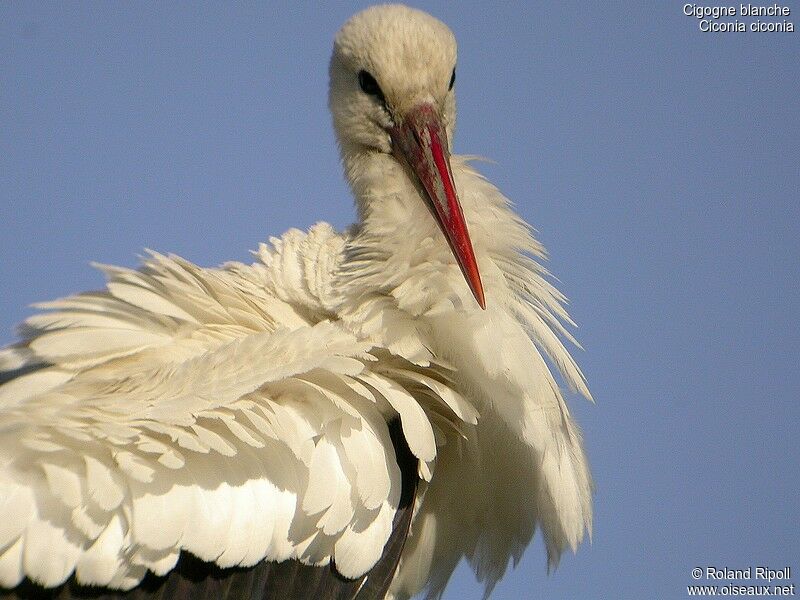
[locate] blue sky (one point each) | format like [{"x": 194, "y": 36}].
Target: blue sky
[{"x": 658, "y": 163}]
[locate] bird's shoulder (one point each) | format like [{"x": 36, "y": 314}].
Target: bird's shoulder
[
  {"x": 170, "y": 309},
  {"x": 298, "y": 268}
]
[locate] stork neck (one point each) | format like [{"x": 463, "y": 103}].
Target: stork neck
[
  {"x": 397, "y": 247},
  {"x": 390, "y": 205}
]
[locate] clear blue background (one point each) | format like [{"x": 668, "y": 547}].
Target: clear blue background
[{"x": 659, "y": 163}]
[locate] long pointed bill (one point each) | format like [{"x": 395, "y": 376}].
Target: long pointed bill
[{"x": 422, "y": 141}]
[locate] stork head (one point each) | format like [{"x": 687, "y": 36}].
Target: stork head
[{"x": 392, "y": 92}]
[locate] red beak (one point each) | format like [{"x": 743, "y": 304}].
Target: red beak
[{"x": 422, "y": 141}]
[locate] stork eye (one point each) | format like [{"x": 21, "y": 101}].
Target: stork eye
[
  {"x": 452, "y": 80},
  {"x": 369, "y": 86}
]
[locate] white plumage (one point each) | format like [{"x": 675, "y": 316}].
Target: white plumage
[{"x": 240, "y": 413}]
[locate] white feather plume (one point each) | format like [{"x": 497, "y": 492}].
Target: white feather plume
[{"x": 241, "y": 413}]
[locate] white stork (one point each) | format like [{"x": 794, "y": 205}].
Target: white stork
[{"x": 348, "y": 416}]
